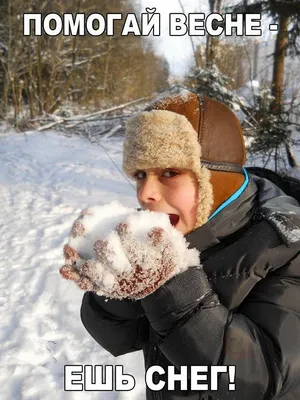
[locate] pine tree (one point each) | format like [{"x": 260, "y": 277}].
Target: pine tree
[
  {"x": 276, "y": 123},
  {"x": 213, "y": 83}
]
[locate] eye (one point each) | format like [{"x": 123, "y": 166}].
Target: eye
[
  {"x": 171, "y": 173},
  {"x": 139, "y": 175}
]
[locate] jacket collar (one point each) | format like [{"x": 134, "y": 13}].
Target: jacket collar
[
  {"x": 231, "y": 219},
  {"x": 260, "y": 200}
]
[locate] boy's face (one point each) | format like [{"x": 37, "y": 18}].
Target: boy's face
[{"x": 173, "y": 191}]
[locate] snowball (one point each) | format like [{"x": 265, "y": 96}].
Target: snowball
[{"x": 100, "y": 222}]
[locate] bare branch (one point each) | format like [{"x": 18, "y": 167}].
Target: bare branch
[{"x": 81, "y": 119}]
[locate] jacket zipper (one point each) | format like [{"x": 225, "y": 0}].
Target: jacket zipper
[{"x": 157, "y": 395}]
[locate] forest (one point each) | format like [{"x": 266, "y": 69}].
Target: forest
[{"x": 46, "y": 80}]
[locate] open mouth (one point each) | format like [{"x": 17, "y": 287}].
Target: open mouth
[{"x": 174, "y": 218}]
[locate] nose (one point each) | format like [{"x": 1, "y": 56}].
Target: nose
[{"x": 149, "y": 191}]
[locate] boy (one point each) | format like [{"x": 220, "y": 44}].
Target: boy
[{"x": 187, "y": 153}]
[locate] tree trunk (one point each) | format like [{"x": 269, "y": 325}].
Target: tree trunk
[
  {"x": 212, "y": 41},
  {"x": 40, "y": 77},
  {"x": 279, "y": 59},
  {"x": 30, "y": 82},
  {"x": 278, "y": 77}
]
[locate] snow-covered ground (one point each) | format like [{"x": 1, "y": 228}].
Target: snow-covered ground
[{"x": 46, "y": 179}]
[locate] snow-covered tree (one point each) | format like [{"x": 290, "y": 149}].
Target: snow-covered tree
[
  {"x": 271, "y": 131},
  {"x": 39, "y": 74},
  {"x": 213, "y": 83}
]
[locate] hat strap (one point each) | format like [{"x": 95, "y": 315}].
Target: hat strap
[{"x": 222, "y": 166}]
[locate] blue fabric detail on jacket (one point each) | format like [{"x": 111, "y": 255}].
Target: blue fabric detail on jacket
[{"x": 233, "y": 197}]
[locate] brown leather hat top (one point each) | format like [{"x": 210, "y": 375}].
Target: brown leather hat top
[{"x": 219, "y": 131}]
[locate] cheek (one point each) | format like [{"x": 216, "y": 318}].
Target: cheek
[
  {"x": 137, "y": 188},
  {"x": 187, "y": 202},
  {"x": 194, "y": 207},
  {"x": 192, "y": 202}
]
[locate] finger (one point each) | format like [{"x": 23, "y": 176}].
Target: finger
[
  {"x": 95, "y": 271},
  {"x": 102, "y": 251},
  {"x": 86, "y": 284},
  {"x": 122, "y": 229},
  {"x": 132, "y": 248},
  {"x": 86, "y": 212},
  {"x": 83, "y": 282},
  {"x": 165, "y": 264},
  {"x": 69, "y": 272},
  {"x": 78, "y": 229},
  {"x": 70, "y": 254},
  {"x": 156, "y": 236},
  {"x": 85, "y": 269},
  {"x": 92, "y": 270}
]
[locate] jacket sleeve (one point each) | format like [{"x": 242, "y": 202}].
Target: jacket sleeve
[
  {"x": 119, "y": 326},
  {"x": 262, "y": 339}
]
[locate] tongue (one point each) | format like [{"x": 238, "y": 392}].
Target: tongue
[{"x": 173, "y": 219}]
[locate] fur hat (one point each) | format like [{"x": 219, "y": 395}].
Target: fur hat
[{"x": 178, "y": 131}]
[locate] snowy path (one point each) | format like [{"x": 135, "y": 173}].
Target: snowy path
[{"x": 45, "y": 180}]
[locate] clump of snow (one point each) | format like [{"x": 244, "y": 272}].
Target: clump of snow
[
  {"x": 113, "y": 240},
  {"x": 97, "y": 221}
]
